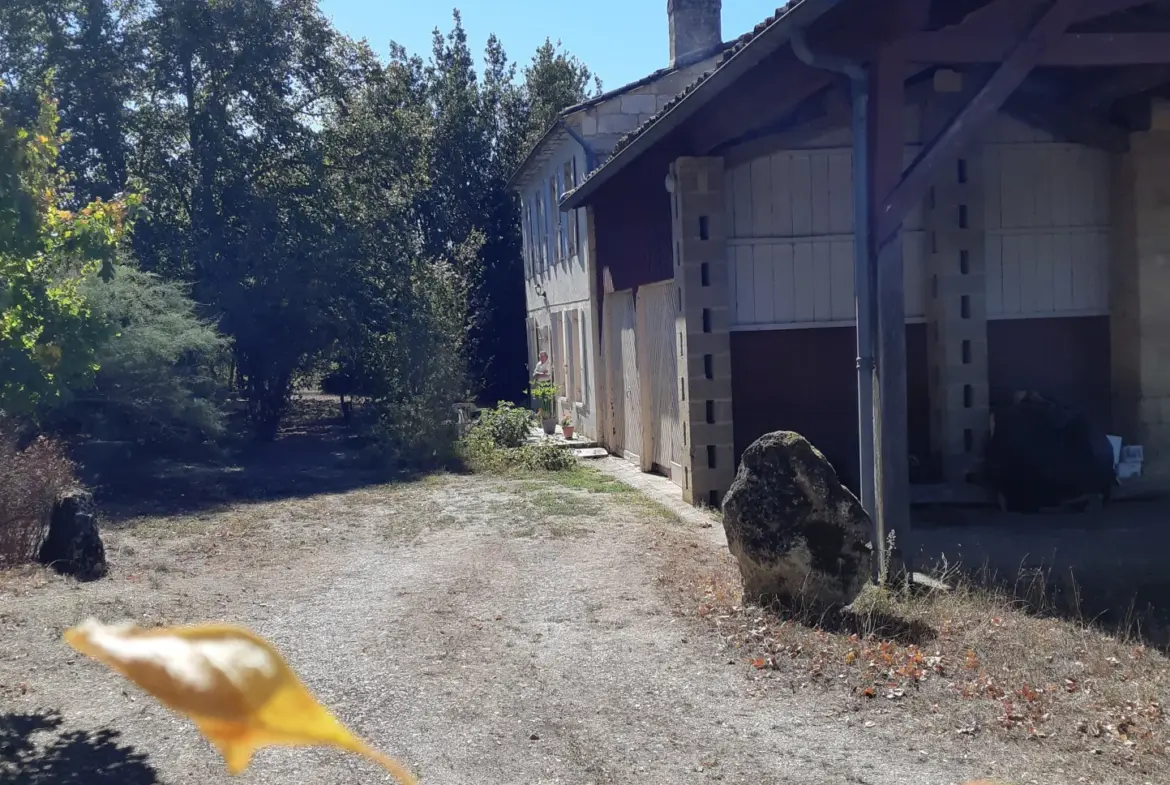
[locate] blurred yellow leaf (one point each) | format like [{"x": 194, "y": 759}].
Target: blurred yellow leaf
[{"x": 232, "y": 684}]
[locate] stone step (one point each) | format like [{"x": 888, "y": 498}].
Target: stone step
[{"x": 577, "y": 443}]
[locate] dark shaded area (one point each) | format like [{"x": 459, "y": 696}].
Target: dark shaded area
[
  {"x": 1043, "y": 454},
  {"x": 1065, "y": 359},
  {"x": 36, "y": 750},
  {"x": 1104, "y": 568},
  {"x": 806, "y": 381},
  {"x": 314, "y": 453}
]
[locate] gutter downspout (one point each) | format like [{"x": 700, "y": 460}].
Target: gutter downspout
[
  {"x": 590, "y": 156},
  {"x": 862, "y": 268}
]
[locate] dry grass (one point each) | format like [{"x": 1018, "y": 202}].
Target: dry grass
[
  {"x": 973, "y": 663},
  {"x": 31, "y": 479}
]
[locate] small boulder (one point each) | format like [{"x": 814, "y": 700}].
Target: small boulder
[
  {"x": 799, "y": 535},
  {"x": 73, "y": 545}
]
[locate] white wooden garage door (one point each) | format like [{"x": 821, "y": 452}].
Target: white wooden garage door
[
  {"x": 658, "y": 319},
  {"x": 622, "y": 369}
]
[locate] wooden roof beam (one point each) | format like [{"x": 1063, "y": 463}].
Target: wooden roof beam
[
  {"x": 1068, "y": 123},
  {"x": 766, "y": 97},
  {"x": 957, "y": 47},
  {"x": 1014, "y": 69},
  {"x": 1115, "y": 86}
]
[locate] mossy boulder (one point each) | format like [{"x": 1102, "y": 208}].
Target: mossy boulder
[{"x": 800, "y": 537}]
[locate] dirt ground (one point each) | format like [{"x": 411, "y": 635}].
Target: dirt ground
[{"x": 484, "y": 630}]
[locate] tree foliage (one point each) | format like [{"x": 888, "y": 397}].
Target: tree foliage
[
  {"x": 324, "y": 207},
  {"x": 48, "y": 337}
]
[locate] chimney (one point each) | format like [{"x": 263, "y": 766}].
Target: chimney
[{"x": 696, "y": 30}]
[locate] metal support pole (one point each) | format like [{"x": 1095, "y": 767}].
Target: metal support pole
[
  {"x": 863, "y": 268},
  {"x": 863, "y": 274}
]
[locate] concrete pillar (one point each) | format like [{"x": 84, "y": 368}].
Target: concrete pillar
[
  {"x": 1140, "y": 297},
  {"x": 704, "y": 341},
  {"x": 956, "y": 310}
]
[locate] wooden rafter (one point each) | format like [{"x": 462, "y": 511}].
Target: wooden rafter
[
  {"x": 763, "y": 98},
  {"x": 1068, "y": 123},
  {"x": 1011, "y": 73},
  {"x": 827, "y": 112},
  {"x": 1115, "y": 86},
  {"x": 954, "y": 47}
]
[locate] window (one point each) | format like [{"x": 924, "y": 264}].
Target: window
[
  {"x": 583, "y": 324},
  {"x": 557, "y": 354},
  {"x": 571, "y": 177},
  {"x": 554, "y": 220},
  {"x": 577, "y": 372},
  {"x": 539, "y": 234},
  {"x": 562, "y": 220},
  {"x": 526, "y": 235}
]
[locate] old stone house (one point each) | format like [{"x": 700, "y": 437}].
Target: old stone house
[{"x": 560, "y": 284}]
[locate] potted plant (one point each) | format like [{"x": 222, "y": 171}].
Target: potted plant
[
  {"x": 567, "y": 427},
  {"x": 545, "y": 395}
]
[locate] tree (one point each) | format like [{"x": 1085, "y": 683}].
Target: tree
[
  {"x": 48, "y": 337},
  {"x": 229, "y": 148},
  {"x": 554, "y": 81}
]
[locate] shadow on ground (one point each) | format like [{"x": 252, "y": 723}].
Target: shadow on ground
[
  {"x": 1104, "y": 568},
  {"x": 314, "y": 453},
  {"x": 36, "y": 750}
]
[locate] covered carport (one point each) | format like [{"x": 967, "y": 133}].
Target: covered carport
[{"x": 1090, "y": 72}]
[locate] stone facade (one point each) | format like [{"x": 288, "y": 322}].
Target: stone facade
[
  {"x": 603, "y": 123},
  {"x": 704, "y": 367},
  {"x": 1140, "y": 298}
]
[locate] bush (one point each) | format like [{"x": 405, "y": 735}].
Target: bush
[
  {"x": 413, "y": 371},
  {"x": 155, "y": 382},
  {"x": 495, "y": 444},
  {"x": 547, "y": 457},
  {"x": 507, "y": 425},
  {"x": 31, "y": 479}
]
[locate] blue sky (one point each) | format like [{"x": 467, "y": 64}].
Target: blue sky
[{"x": 620, "y": 40}]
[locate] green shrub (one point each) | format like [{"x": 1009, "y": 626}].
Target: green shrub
[
  {"x": 155, "y": 384},
  {"x": 545, "y": 395},
  {"x": 495, "y": 444},
  {"x": 507, "y": 425},
  {"x": 548, "y": 457},
  {"x": 413, "y": 371}
]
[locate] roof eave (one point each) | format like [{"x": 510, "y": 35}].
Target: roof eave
[
  {"x": 516, "y": 181},
  {"x": 800, "y": 13}
]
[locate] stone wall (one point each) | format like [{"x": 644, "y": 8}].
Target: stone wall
[
  {"x": 606, "y": 122},
  {"x": 704, "y": 365},
  {"x": 1140, "y": 298}
]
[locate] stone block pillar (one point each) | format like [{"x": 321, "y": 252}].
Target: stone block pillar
[
  {"x": 702, "y": 334},
  {"x": 957, "y": 315},
  {"x": 1140, "y": 298}
]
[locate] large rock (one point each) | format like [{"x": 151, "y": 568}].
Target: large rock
[
  {"x": 799, "y": 535},
  {"x": 73, "y": 545}
]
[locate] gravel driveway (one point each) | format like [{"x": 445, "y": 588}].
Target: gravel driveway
[{"x": 485, "y": 631}]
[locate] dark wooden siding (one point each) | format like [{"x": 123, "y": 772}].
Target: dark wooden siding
[
  {"x": 806, "y": 381},
  {"x": 632, "y": 226},
  {"x": 1065, "y": 358}
]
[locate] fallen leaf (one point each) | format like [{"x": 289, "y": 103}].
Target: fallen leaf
[{"x": 231, "y": 683}]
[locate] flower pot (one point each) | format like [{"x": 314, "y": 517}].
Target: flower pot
[
  {"x": 568, "y": 430},
  {"x": 549, "y": 425}
]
